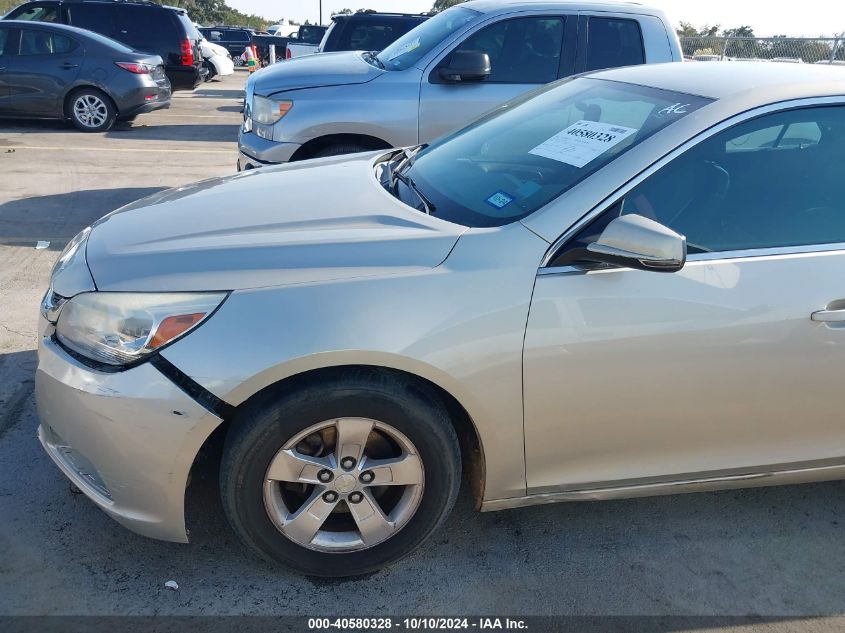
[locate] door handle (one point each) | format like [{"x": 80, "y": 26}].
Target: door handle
[
  {"x": 829, "y": 316},
  {"x": 68, "y": 65}
]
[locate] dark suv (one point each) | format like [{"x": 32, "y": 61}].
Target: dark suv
[
  {"x": 368, "y": 30},
  {"x": 233, "y": 38},
  {"x": 140, "y": 24}
]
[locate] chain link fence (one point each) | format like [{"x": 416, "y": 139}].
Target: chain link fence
[{"x": 798, "y": 50}]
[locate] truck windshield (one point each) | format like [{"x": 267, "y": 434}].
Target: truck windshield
[
  {"x": 528, "y": 152},
  {"x": 416, "y": 43}
]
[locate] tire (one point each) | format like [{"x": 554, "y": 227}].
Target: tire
[
  {"x": 212, "y": 71},
  {"x": 91, "y": 110},
  {"x": 403, "y": 413},
  {"x": 340, "y": 150}
]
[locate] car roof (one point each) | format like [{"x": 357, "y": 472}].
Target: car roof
[
  {"x": 755, "y": 84},
  {"x": 489, "y": 6}
]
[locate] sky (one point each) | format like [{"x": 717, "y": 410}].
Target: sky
[{"x": 768, "y": 17}]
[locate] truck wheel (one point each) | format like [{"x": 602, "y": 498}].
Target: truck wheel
[{"x": 341, "y": 149}]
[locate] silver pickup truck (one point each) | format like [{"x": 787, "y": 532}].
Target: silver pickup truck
[{"x": 439, "y": 76}]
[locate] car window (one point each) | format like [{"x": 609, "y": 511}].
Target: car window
[
  {"x": 237, "y": 36},
  {"x": 146, "y": 28},
  {"x": 4, "y": 37},
  {"x": 773, "y": 193},
  {"x": 43, "y": 43},
  {"x": 518, "y": 158},
  {"x": 310, "y": 34},
  {"x": 94, "y": 17},
  {"x": 214, "y": 36},
  {"x": 521, "y": 50},
  {"x": 368, "y": 35},
  {"x": 802, "y": 134},
  {"x": 612, "y": 42},
  {"x": 38, "y": 13}
]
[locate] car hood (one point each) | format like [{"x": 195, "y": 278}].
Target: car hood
[
  {"x": 298, "y": 223},
  {"x": 314, "y": 71}
]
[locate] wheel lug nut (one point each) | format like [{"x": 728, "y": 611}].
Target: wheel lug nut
[
  {"x": 325, "y": 476},
  {"x": 330, "y": 496},
  {"x": 367, "y": 476},
  {"x": 355, "y": 497},
  {"x": 347, "y": 463}
]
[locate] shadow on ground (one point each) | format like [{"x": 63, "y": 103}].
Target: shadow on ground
[
  {"x": 202, "y": 132},
  {"x": 57, "y": 218}
]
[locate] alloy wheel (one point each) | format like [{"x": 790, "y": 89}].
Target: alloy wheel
[
  {"x": 344, "y": 485},
  {"x": 90, "y": 110}
]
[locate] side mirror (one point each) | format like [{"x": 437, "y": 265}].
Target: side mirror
[
  {"x": 466, "y": 66},
  {"x": 637, "y": 242}
]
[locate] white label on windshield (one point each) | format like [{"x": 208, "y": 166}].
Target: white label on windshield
[
  {"x": 410, "y": 46},
  {"x": 582, "y": 141}
]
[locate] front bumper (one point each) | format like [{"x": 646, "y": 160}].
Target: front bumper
[
  {"x": 126, "y": 439},
  {"x": 255, "y": 151}
]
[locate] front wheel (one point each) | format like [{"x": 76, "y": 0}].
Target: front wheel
[
  {"x": 91, "y": 110},
  {"x": 341, "y": 478}
]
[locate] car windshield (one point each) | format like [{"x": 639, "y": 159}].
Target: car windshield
[
  {"x": 416, "y": 43},
  {"x": 521, "y": 156}
]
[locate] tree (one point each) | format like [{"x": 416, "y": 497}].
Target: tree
[
  {"x": 441, "y": 5},
  {"x": 343, "y": 12}
]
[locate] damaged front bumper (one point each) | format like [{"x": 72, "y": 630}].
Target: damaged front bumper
[{"x": 127, "y": 439}]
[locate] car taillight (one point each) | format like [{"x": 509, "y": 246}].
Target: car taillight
[
  {"x": 187, "y": 53},
  {"x": 136, "y": 67},
  {"x": 288, "y": 54}
]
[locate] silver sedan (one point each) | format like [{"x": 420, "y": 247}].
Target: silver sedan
[{"x": 624, "y": 284}]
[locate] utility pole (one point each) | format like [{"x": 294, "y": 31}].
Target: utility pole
[{"x": 320, "y": 23}]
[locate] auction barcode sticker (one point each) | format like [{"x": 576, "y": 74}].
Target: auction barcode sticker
[{"x": 582, "y": 142}]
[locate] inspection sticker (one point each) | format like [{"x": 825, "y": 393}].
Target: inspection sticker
[
  {"x": 582, "y": 141},
  {"x": 500, "y": 200}
]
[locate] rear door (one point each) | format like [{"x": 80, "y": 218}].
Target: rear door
[
  {"x": 47, "y": 63},
  {"x": 526, "y": 51}
]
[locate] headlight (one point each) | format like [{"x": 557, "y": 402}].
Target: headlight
[
  {"x": 118, "y": 328},
  {"x": 267, "y": 111}
]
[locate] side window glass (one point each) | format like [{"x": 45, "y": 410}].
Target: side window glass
[
  {"x": 613, "y": 42},
  {"x": 145, "y": 28},
  {"x": 771, "y": 182},
  {"x": 39, "y": 13},
  {"x": 43, "y": 43},
  {"x": 94, "y": 17},
  {"x": 522, "y": 50},
  {"x": 4, "y": 36}
]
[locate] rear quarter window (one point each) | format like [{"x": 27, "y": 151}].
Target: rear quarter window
[
  {"x": 147, "y": 29},
  {"x": 613, "y": 42}
]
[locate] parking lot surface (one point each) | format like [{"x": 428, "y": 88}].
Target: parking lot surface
[{"x": 768, "y": 552}]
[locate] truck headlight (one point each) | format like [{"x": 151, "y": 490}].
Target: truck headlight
[
  {"x": 118, "y": 328},
  {"x": 267, "y": 111}
]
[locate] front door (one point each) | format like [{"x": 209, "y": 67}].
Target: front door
[
  {"x": 47, "y": 63},
  {"x": 730, "y": 366},
  {"x": 6, "y": 36},
  {"x": 525, "y": 52}
]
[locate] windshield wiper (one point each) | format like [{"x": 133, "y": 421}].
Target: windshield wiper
[
  {"x": 428, "y": 206},
  {"x": 372, "y": 57}
]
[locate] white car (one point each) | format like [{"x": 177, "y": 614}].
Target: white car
[{"x": 217, "y": 59}]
